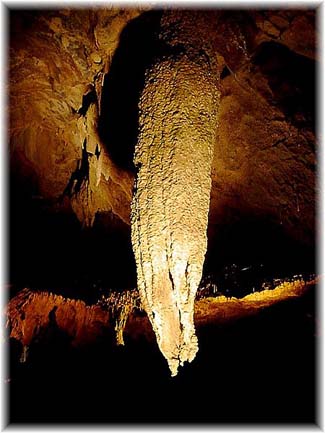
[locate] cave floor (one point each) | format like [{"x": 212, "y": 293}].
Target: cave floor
[{"x": 254, "y": 369}]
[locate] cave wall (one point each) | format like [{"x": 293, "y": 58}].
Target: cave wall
[
  {"x": 58, "y": 61},
  {"x": 264, "y": 160},
  {"x": 217, "y": 109},
  {"x": 264, "y": 155},
  {"x": 61, "y": 176}
]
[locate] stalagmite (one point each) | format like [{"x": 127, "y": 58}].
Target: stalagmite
[{"x": 173, "y": 156}]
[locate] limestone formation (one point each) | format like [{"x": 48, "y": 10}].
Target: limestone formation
[
  {"x": 178, "y": 118},
  {"x": 262, "y": 157},
  {"x": 53, "y": 60},
  {"x": 28, "y": 315}
]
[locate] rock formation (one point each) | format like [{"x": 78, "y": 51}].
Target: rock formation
[
  {"x": 31, "y": 314},
  {"x": 31, "y": 317},
  {"x": 227, "y": 107},
  {"x": 178, "y": 119}
]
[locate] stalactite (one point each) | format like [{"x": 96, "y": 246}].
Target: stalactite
[
  {"x": 120, "y": 306},
  {"x": 173, "y": 156}
]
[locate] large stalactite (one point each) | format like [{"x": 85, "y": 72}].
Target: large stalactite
[
  {"x": 178, "y": 119},
  {"x": 63, "y": 165}
]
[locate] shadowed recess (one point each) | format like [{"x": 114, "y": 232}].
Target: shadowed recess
[{"x": 118, "y": 122}]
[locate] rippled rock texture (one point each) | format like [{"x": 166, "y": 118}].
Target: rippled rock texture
[
  {"x": 178, "y": 119},
  {"x": 216, "y": 108}
]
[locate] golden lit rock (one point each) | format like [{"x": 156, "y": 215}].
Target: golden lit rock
[
  {"x": 260, "y": 152},
  {"x": 96, "y": 58},
  {"x": 178, "y": 118},
  {"x": 204, "y": 121}
]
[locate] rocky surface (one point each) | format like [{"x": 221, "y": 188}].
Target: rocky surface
[
  {"x": 42, "y": 318},
  {"x": 269, "y": 170},
  {"x": 178, "y": 117},
  {"x": 58, "y": 63},
  {"x": 248, "y": 352},
  {"x": 72, "y": 136}
]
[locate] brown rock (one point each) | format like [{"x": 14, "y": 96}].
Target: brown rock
[
  {"x": 264, "y": 154},
  {"x": 170, "y": 207}
]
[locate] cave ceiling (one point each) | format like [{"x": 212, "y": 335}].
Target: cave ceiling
[{"x": 75, "y": 77}]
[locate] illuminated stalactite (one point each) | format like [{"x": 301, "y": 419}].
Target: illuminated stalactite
[{"x": 178, "y": 119}]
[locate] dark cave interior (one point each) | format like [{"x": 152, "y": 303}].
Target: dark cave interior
[
  {"x": 258, "y": 369},
  {"x": 261, "y": 371}
]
